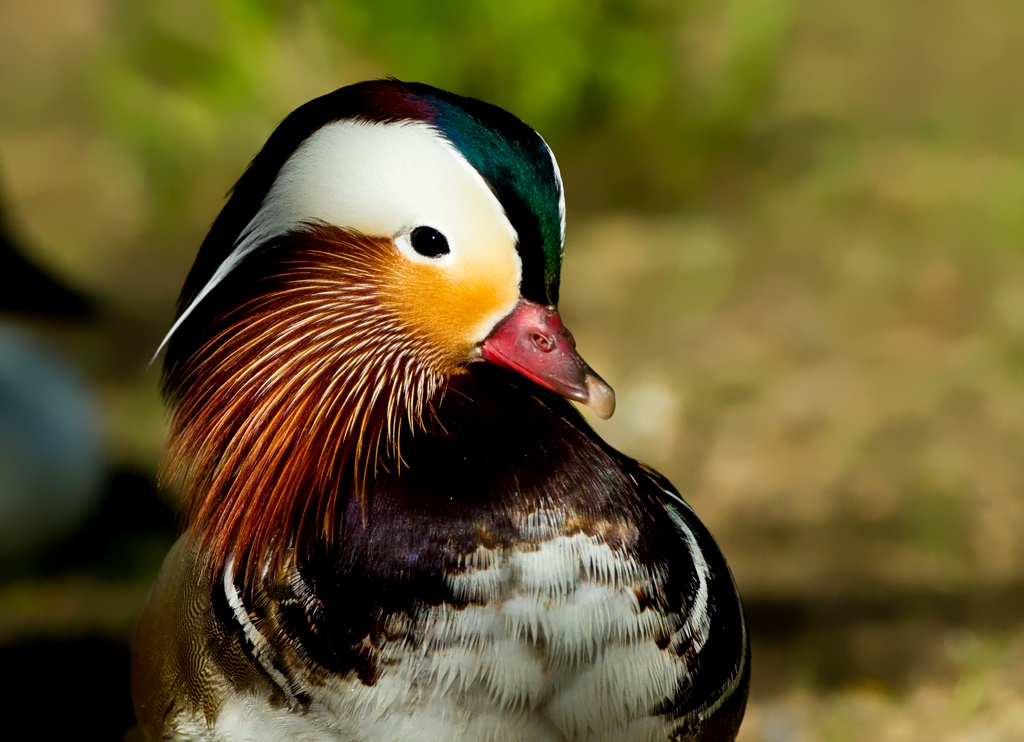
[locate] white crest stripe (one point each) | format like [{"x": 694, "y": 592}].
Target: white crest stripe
[{"x": 383, "y": 180}]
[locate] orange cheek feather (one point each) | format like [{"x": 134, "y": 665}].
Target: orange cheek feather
[{"x": 453, "y": 311}]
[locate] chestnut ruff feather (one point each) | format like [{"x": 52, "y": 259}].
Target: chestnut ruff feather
[{"x": 294, "y": 396}]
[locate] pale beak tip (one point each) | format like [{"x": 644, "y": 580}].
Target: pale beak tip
[{"x": 600, "y": 396}]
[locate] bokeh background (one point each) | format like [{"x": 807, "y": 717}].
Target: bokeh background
[{"x": 795, "y": 247}]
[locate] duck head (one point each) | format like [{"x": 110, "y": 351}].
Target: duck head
[{"x": 387, "y": 237}]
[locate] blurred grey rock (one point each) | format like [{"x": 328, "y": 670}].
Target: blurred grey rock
[{"x": 51, "y": 456}]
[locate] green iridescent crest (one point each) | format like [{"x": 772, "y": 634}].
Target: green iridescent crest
[{"x": 520, "y": 169}]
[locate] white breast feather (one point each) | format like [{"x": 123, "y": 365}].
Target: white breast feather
[{"x": 553, "y": 646}]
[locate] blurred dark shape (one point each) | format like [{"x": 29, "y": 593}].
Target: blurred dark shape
[
  {"x": 882, "y": 635},
  {"x": 71, "y": 689},
  {"x": 26, "y": 288},
  {"x": 51, "y": 453},
  {"x": 125, "y": 536}
]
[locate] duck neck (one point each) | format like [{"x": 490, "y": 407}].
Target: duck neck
[{"x": 291, "y": 400}]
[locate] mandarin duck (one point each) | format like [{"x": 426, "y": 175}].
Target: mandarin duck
[{"x": 398, "y": 527}]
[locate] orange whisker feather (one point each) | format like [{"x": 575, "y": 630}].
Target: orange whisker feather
[{"x": 293, "y": 399}]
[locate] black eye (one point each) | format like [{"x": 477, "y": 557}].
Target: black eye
[{"x": 429, "y": 242}]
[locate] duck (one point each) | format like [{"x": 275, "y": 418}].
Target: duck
[{"x": 398, "y": 524}]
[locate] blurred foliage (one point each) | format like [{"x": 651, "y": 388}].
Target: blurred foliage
[
  {"x": 794, "y": 249},
  {"x": 810, "y": 297},
  {"x": 629, "y": 83}
]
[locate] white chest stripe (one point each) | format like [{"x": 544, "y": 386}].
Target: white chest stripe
[
  {"x": 261, "y": 649},
  {"x": 741, "y": 668},
  {"x": 698, "y": 622}
]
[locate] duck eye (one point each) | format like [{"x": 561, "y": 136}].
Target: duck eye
[{"x": 429, "y": 242}]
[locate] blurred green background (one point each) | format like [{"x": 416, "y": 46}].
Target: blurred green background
[{"x": 795, "y": 248}]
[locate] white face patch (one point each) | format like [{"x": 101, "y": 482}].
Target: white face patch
[{"x": 383, "y": 180}]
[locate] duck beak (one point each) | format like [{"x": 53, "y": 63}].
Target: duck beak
[{"x": 533, "y": 341}]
